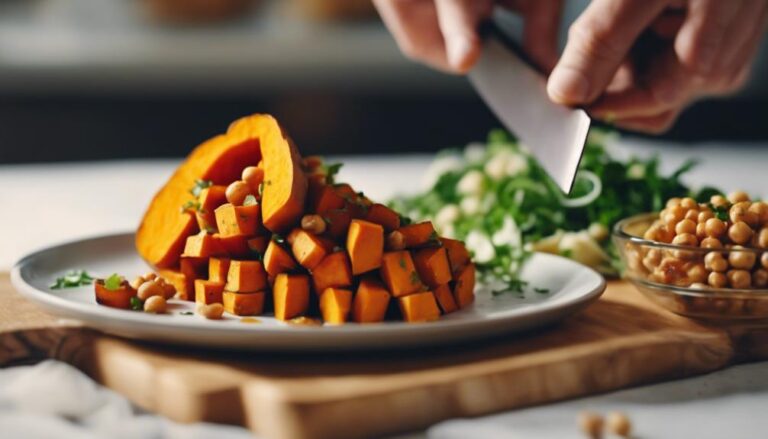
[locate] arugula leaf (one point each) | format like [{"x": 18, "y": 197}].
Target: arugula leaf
[
  {"x": 113, "y": 282},
  {"x": 72, "y": 279}
]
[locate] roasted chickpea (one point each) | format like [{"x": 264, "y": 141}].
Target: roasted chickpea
[
  {"x": 150, "y": 289},
  {"x": 673, "y": 215},
  {"x": 395, "y": 241},
  {"x": 737, "y": 197},
  {"x": 743, "y": 260},
  {"x": 697, "y": 273},
  {"x": 715, "y": 228},
  {"x": 701, "y": 231},
  {"x": 713, "y": 243},
  {"x": 714, "y": 261},
  {"x": 689, "y": 203},
  {"x": 652, "y": 259},
  {"x": 740, "y": 233},
  {"x": 169, "y": 290},
  {"x": 671, "y": 270},
  {"x": 760, "y": 209},
  {"x": 213, "y": 311},
  {"x": 739, "y": 279},
  {"x": 137, "y": 281},
  {"x": 237, "y": 191},
  {"x": 692, "y": 215},
  {"x": 760, "y": 278},
  {"x": 688, "y": 239},
  {"x": 591, "y": 424},
  {"x": 253, "y": 177},
  {"x": 618, "y": 424},
  {"x": 705, "y": 215},
  {"x": 717, "y": 280},
  {"x": 718, "y": 201},
  {"x": 150, "y": 276},
  {"x": 685, "y": 226},
  {"x": 698, "y": 286},
  {"x": 740, "y": 212},
  {"x": 762, "y": 238},
  {"x": 155, "y": 305},
  {"x": 314, "y": 224}
]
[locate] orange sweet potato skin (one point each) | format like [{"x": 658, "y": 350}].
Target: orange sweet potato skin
[{"x": 164, "y": 228}]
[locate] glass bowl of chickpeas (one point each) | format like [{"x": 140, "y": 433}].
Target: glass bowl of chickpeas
[{"x": 703, "y": 260}]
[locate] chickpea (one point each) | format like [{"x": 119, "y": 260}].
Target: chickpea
[
  {"x": 705, "y": 215},
  {"x": 715, "y": 228},
  {"x": 673, "y": 215},
  {"x": 698, "y": 286},
  {"x": 760, "y": 278},
  {"x": 717, "y": 280},
  {"x": 764, "y": 260},
  {"x": 692, "y": 215},
  {"x": 150, "y": 289},
  {"x": 591, "y": 424},
  {"x": 213, "y": 311},
  {"x": 236, "y": 192},
  {"x": 760, "y": 209},
  {"x": 701, "y": 231},
  {"x": 685, "y": 226},
  {"x": 739, "y": 279},
  {"x": 674, "y": 201},
  {"x": 740, "y": 233},
  {"x": 718, "y": 201},
  {"x": 314, "y": 224},
  {"x": 714, "y": 261},
  {"x": 618, "y": 424},
  {"x": 704, "y": 207},
  {"x": 150, "y": 276},
  {"x": 737, "y": 197},
  {"x": 671, "y": 270},
  {"x": 743, "y": 260},
  {"x": 688, "y": 239},
  {"x": 657, "y": 232},
  {"x": 740, "y": 212},
  {"x": 169, "y": 290},
  {"x": 711, "y": 243},
  {"x": 652, "y": 259},
  {"x": 395, "y": 241},
  {"x": 762, "y": 238},
  {"x": 155, "y": 305},
  {"x": 137, "y": 281},
  {"x": 253, "y": 177},
  {"x": 697, "y": 273}
]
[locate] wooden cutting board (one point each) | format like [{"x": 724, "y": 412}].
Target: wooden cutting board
[{"x": 622, "y": 340}]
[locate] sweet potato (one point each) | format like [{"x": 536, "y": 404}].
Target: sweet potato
[
  {"x": 208, "y": 292},
  {"x": 291, "y": 295},
  {"x": 238, "y": 220},
  {"x": 365, "y": 244},
  {"x": 338, "y": 221},
  {"x": 258, "y": 244},
  {"x": 119, "y": 298},
  {"x": 235, "y": 246},
  {"x": 243, "y": 304},
  {"x": 354, "y": 203},
  {"x": 277, "y": 259},
  {"x": 184, "y": 289},
  {"x": 210, "y": 198},
  {"x": 202, "y": 245},
  {"x": 445, "y": 298},
  {"x": 285, "y": 184},
  {"x": 458, "y": 256},
  {"x": 371, "y": 301},
  {"x": 432, "y": 266},
  {"x": 308, "y": 249},
  {"x": 246, "y": 277},
  {"x": 420, "y": 307},
  {"x": 335, "y": 305},
  {"x": 464, "y": 286},
  {"x": 164, "y": 227},
  {"x": 383, "y": 216},
  {"x": 333, "y": 271},
  {"x": 218, "y": 269},
  {"x": 399, "y": 274},
  {"x": 191, "y": 269},
  {"x": 419, "y": 234},
  {"x": 325, "y": 198}
]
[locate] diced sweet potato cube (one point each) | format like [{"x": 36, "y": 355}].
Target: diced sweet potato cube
[
  {"x": 365, "y": 244},
  {"x": 184, "y": 289},
  {"x": 335, "y": 305},
  {"x": 238, "y": 220},
  {"x": 208, "y": 292},
  {"x": 291, "y": 236},
  {"x": 383, "y": 216},
  {"x": 445, "y": 298},
  {"x": 419, "y": 234},
  {"x": 458, "y": 256},
  {"x": 206, "y": 221},
  {"x": 235, "y": 246},
  {"x": 326, "y": 199},
  {"x": 432, "y": 266},
  {"x": 337, "y": 221},
  {"x": 246, "y": 277},
  {"x": 202, "y": 245},
  {"x": 291, "y": 295},
  {"x": 308, "y": 249},
  {"x": 212, "y": 197},
  {"x": 243, "y": 304},
  {"x": 421, "y": 307},
  {"x": 399, "y": 274},
  {"x": 190, "y": 269},
  {"x": 464, "y": 286},
  {"x": 218, "y": 269},
  {"x": 371, "y": 301},
  {"x": 258, "y": 244},
  {"x": 333, "y": 271},
  {"x": 277, "y": 259}
]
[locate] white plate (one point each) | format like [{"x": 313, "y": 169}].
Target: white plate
[{"x": 571, "y": 287}]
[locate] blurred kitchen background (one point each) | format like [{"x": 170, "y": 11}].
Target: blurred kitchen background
[{"x": 97, "y": 79}]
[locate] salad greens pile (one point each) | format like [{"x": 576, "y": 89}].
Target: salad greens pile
[{"x": 497, "y": 198}]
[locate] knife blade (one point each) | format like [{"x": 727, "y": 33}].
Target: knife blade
[{"x": 516, "y": 93}]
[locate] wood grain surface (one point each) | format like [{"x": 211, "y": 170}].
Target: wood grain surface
[{"x": 622, "y": 340}]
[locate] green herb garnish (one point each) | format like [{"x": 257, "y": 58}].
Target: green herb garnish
[
  {"x": 278, "y": 239},
  {"x": 250, "y": 200},
  {"x": 191, "y": 206},
  {"x": 415, "y": 278},
  {"x": 401, "y": 262},
  {"x": 136, "y": 304},
  {"x": 199, "y": 186},
  {"x": 186, "y": 313},
  {"x": 261, "y": 189},
  {"x": 541, "y": 290},
  {"x": 72, "y": 279},
  {"x": 330, "y": 171},
  {"x": 113, "y": 282},
  {"x": 721, "y": 213},
  {"x": 513, "y": 286}
]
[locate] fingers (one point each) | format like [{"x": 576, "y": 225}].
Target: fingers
[
  {"x": 699, "y": 40},
  {"x": 598, "y": 42},
  {"x": 742, "y": 26},
  {"x": 458, "y": 21},
  {"x": 656, "y": 124},
  {"x": 541, "y": 25}
]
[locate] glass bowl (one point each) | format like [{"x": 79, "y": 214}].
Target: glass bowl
[{"x": 676, "y": 277}]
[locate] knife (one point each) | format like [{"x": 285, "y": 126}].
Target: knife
[{"x": 516, "y": 93}]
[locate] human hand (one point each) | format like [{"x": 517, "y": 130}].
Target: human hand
[{"x": 707, "y": 48}]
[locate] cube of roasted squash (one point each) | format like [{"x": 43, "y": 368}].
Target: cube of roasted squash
[
  {"x": 337, "y": 221},
  {"x": 258, "y": 244},
  {"x": 333, "y": 271},
  {"x": 335, "y": 305},
  {"x": 209, "y": 199},
  {"x": 325, "y": 199},
  {"x": 432, "y": 265},
  {"x": 464, "y": 286},
  {"x": 238, "y": 220},
  {"x": 399, "y": 274},
  {"x": 371, "y": 301},
  {"x": 208, "y": 292},
  {"x": 383, "y": 216},
  {"x": 189, "y": 269},
  {"x": 308, "y": 249},
  {"x": 236, "y": 246},
  {"x": 218, "y": 269},
  {"x": 291, "y": 295},
  {"x": 365, "y": 244},
  {"x": 246, "y": 277},
  {"x": 458, "y": 256},
  {"x": 419, "y": 234},
  {"x": 202, "y": 245},
  {"x": 420, "y": 307},
  {"x": 243, "y": 304},
  {"x": 445, "y": 299},
  {"x": 277, "y": 259}
]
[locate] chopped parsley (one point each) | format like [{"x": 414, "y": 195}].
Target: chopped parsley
[
  {"x": 721, "y": 212},
  {"x": 73, "y": 279},
  {"x": 250, "y": 200},
  {"x": 415, "y": 278},
  {"x": 136, "y": 304},
  {"x": 199, "y": 186},
  {"x": 278, "y": 239},
  {"x": 330, "y": 171},
  {"x": 113, "y": 282},
  {"x": 261, "y": 189},
  {"x": 192, "y": 206},
  {"x": 513, "y": 286},
  {"x": 186, "y": 313},
  {"x": 402, "y": 263},
  {"x": 541, "y": 290}
]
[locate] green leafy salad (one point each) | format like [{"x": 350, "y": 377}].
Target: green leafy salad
[{"x": 497, "y": 198}]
